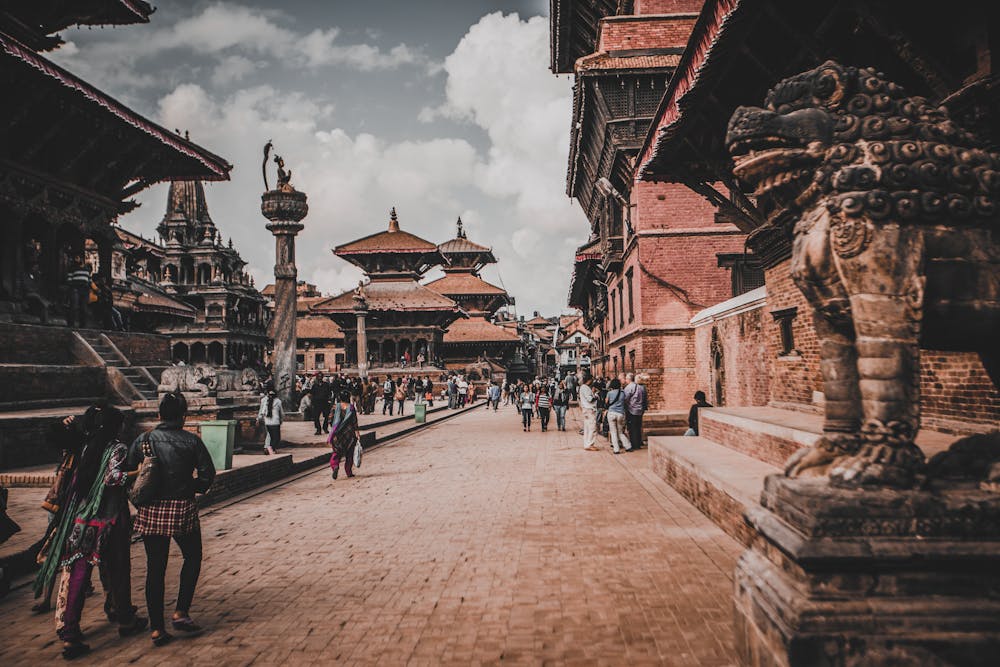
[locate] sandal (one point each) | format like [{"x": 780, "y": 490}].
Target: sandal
[
  {"x": 162, "y": 639},
  {"x": 138, "y": 624},
  {"x": 187, "y": 626},
  {"x": 74, "y": 649}
]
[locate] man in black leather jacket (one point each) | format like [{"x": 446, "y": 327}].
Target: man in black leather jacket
[{"x": 173, "y": 512}]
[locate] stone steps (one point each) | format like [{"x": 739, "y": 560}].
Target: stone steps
[
  {"x": 722, "y": 471},
  {"x": 721, "y": 482}
]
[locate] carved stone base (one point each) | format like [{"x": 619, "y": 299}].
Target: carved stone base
[{"x": 846, "y": 578}]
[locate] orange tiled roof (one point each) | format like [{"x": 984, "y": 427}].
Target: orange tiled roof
[
  {"x": 304, "y": 303},
  {"x": 538, "y": 321},
  {"x": 388, "y": 241},
  {"x": 605, "y": 61},
  {"x": 317, "y": 327},
  {"x": 389, "y": 295},
  {"x": 458, "y": 245},
  {"x": 477, "y": 329},
  {"x": 463, "y": 283}
]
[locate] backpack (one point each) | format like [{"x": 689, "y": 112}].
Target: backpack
[{"x": 387, "y": 387}]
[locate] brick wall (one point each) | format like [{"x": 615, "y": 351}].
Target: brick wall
[
  {"x": 624, "y": 33},
  {"x": 27, "y": 344},
  {"x": 957, "y": 395},
  {"x": 794, "y": 377},
  {"x": 142, "y": 349},
  {"x": 744, "y": 378},
  {"x": 668, "y": 6}
]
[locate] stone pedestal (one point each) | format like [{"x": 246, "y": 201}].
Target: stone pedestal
[
  {"x": 845, "y": 578},
  {"x": 285, "y": 208}
]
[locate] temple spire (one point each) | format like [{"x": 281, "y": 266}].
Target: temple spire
[
  {"x": 393, "y": 221},
  {"x": 461, "y": 231}
]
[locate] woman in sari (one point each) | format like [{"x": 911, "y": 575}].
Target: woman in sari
[
  {"x": 91, "y": 528},
  {"x": 344, "y": 435}
]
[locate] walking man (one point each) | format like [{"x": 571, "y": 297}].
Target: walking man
[
  {"x": 636, "y": 404},
  {"x": 388, "y": 389},
  {"x": 588, "y": 405},
  {"x": 493, "y": 394}
]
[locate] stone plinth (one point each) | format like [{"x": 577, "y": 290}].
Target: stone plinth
[
  {"x": 284, "y": 208},
  {"x": 839, "y": 577}
]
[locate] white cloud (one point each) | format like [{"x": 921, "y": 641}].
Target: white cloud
[{"x": 510, "y": 194}]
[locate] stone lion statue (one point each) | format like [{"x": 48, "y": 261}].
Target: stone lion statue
[
  {"x": 892, "y": 209},
  {"x": 229, "y": 380},
  {"x": 186, "y": 379}
]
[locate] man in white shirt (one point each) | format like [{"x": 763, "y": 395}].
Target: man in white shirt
[{"x": 588, "y": 405}]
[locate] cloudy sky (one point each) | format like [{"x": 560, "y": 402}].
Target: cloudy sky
[{"x": 439, "y": 107}]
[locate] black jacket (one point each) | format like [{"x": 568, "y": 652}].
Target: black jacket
[{"x": 181, "y": 453}]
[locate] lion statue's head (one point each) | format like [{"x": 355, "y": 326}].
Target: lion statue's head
[{"x": 849, "y": 138}]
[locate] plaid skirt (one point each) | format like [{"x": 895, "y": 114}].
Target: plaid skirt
[{"x": 167, "y": 517}]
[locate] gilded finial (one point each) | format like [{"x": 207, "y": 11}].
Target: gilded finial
[
  {"x": 461, "y": 230},
  {"x": 393, "y": 220}
]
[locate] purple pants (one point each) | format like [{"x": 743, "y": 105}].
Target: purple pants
[{"x": 348, "y": 461}]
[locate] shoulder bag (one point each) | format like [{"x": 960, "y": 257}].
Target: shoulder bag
[{"x": 145, "y": 486}]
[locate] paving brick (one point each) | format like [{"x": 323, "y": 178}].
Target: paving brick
[{"x": 469, "y": 542}]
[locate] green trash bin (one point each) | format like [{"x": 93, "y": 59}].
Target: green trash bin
[
  {"x": 220, "y": 437},
  {"x": 420, "y": 412}
]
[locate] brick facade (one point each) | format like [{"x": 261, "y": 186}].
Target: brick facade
[
  {"x": 668, "y": 6},
  {"x": 670, "y": 272},
  {"x": 625, "y": 33},
  {"x": 957, "y": 395}
]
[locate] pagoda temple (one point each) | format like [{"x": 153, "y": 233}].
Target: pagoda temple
[
  {"x": 476, "y": 339},
  {"x": 403, "y": 316},
  {"x": 230, "y": 326}
]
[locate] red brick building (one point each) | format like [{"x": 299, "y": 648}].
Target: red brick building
[
  {"x": 657, "y": 252},
  {"x": 764, "y": 351}
]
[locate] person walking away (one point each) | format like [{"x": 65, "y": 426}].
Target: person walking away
[
  {"x": 527, "y": 402},
  {"x": 78, "y": 283},
  {"x": 93, "y": 528},
  {"x": 388, "y": 389},
  {"x": 544, "y": 404},
  {"x": 272, "y": 414},
  {"x": 571, "y": 385},
  {"x": 616, "y": 417},
  {"x": 699, "y": 402},
  {"x": 319, "y": 393},
  {"x": 400, "y": 396},
  {"x": 463, "y": 391},
  {"x": 493, "y": 394},
  {"x": 185, "y": 469},
  {"x": 636, "y": 404},
  {"x": 588, "y": 405},
  {"x": 344, "y": 435},
  {"x": 560, "y": 402},
  {"x": 429, "y": 391}
]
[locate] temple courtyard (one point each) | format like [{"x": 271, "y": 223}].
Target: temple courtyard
[{"x": 466, "y": 542}]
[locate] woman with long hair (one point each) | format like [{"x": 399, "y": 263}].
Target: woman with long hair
[
  {"x": 344, "y": 435},
  {"x": 527, "y": 403},
  {"x": 92, "y": 527},
  {"x": 272, "y": 414}
]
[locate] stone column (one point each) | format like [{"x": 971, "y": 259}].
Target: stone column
[
  {"x": 285, "y": 208},
  {"x": 362, "y": 343}
]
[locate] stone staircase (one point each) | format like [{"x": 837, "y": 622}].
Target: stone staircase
[
  {"x": 722, "y": 471},
  {"x": 137, "y": 377}
]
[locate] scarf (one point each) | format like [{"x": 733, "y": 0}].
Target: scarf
[
  {"x": 343, "y": 428},
  {"x": 83, "y": 509}
]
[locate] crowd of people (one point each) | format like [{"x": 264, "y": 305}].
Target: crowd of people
[{"x": 613, "y": 407}]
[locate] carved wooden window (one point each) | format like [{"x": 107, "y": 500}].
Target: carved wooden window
[
  {"x": 614, "y": 322},
  {"x": 784, "y": 318},
  {"x": 631, "y": 359},
  {"x": 631, "y": 307},
  {"x": 621, "y": 305}
]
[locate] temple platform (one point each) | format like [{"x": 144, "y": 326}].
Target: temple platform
[{"x": 722, "y": 471}]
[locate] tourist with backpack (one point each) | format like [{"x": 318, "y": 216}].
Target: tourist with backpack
[
  {"x": 388, "y": 390},
  {"x": 164, "y": 494},
  {"x": 400, "y": 396}
]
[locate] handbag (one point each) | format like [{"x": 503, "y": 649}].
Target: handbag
[
  {"x": 358, "y": 451},
  {"x": 146, "y": 485}
]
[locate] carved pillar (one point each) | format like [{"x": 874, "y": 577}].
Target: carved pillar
[{"x": 285, "y": 209}]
